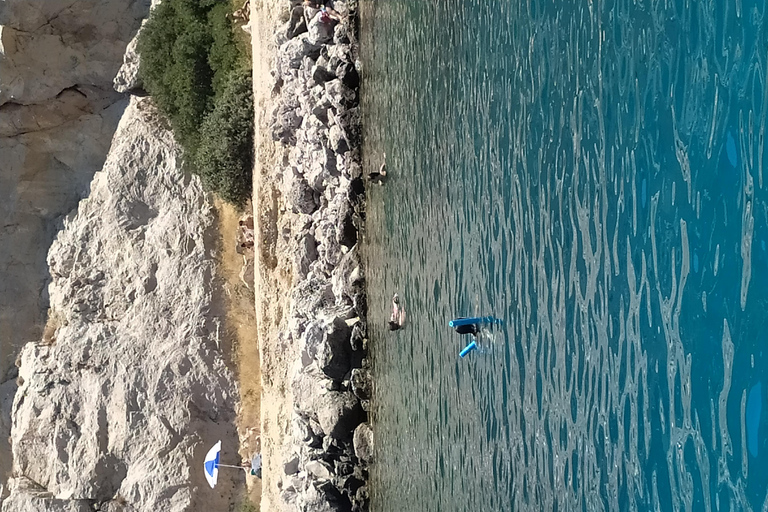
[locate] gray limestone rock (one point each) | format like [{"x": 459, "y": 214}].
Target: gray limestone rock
[
  {"x": 348, "y": 277},
  {"x": 127, "y": 78},
  {"x": 311, "y": 295},
  {"x": 337, "y": 412},
  {"x": 292, "y": 53},
  {"x": 318, "y": 470},
  {"x": 320, "y": 28},
  {"x": 305, "y": 255},
  {"x": 319, "y": 121},
  {"x": 333, "y": 355},
  {"x": 285, "y": 121},
  {"x": 340, "y": 96},
  {"x": 292, "y": 466},
  {"x": 58, "y": 113},
  {"x": 363, "y": 441},
  {"x": 361, "y": 383},
  {"x": 301, "y": 196},
  {"x": 337, "y": 139}
]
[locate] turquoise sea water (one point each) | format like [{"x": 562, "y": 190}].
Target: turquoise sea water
[{"x": 592, "y": 173}]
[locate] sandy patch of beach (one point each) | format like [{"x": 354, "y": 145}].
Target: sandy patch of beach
[
  {"x": 236, "y": 272},
  {"x": 273, "y": 273}
]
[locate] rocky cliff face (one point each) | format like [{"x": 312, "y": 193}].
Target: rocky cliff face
[
  {"x": 123, "y": 393},
  {"x": 117, "y": 406},
  {"x": 58, "y": 113}
]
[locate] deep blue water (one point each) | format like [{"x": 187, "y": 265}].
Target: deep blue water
[{"x": 592, "y": 173}]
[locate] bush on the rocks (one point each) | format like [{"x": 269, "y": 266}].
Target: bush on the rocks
[
  {"x": 224, "y": 158},
  {"x": 197, "y": 72}
]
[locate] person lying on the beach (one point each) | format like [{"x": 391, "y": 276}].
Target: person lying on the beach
[
  {"x": 378, "y": 177},
  {"x": 397, "y": 319}
]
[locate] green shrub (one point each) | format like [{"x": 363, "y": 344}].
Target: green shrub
[
  {"x": 197, "y": 74},
  {"x": 224, "y": 56},
  {"x": 224, "y": 159},
  {"x": 174, "y": 65}
]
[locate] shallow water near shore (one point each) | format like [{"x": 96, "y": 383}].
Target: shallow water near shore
[{"x": 593, "y": 175}]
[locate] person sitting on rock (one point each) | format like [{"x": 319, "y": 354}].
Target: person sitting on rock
[
  {"x": 327, "y": 13},
  {"x": 397, "y": 319},
  {"x": 246, "y": 221},
  {"x": 380, "y": 176},
  {"x": 245, "y": 239}
]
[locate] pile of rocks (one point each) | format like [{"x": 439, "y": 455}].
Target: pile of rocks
[{"x": 317, "y": 118}]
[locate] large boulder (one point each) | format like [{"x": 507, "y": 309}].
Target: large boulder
[
  {"x": 328, "y": 247},
  {"x": 310, "y": 295},
  {"x": 337, "y": 412},
  {"x": 306, "y": 253},
  {"x": 301, "y": 196},
  {"x": 348, "y": 277},
  {"x": 361, "y": 383},
  {"x": 127, "y": 78},
  {"x": 337, "y": 139},
  {"x": 324, "y": 497},
  {"x": 340, "y": 96},
  {"x": 363, "y": 441},
  {"x": 292, "y": 53},
  {"x": 333, "y": 354},
  {"x": 320, "y": 28},
  {"x": 285, "y": 121}
]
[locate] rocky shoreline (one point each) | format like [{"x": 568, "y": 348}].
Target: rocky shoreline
[{"x": 316, "y": 119}]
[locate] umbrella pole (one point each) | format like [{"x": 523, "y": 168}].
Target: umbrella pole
[{"x": 229, "y": 466}]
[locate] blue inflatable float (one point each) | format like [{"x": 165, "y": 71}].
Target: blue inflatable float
[
  {"x": 469, "y": 348},
  {"x": 475, "y": 320}
]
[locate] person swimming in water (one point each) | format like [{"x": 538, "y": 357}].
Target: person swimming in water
[
  {"x": 397, "y": 319},
  {"x": 472, "y": 329},
  {"x": 381, "y": 175}
]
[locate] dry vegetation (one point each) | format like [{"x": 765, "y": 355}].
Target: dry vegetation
[
  {"x": 242, "y": 330},
  {"x": 55, "y": 320}
]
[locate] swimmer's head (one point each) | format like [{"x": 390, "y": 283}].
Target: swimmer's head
[{"x": 393, "y": 326}]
